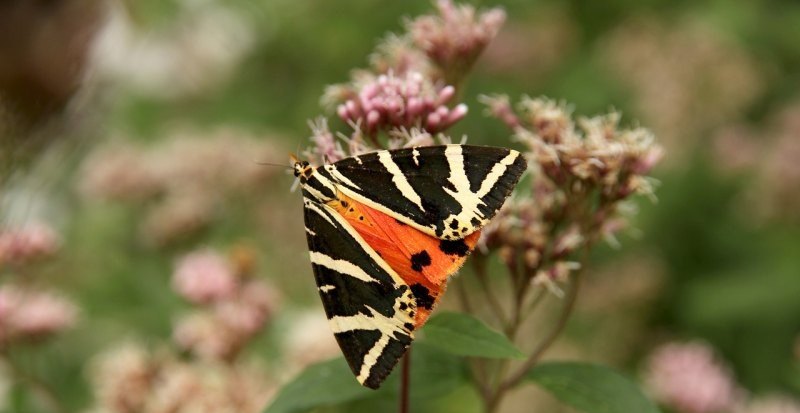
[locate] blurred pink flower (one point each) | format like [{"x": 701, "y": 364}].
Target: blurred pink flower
[
  {"x": 122, "y": 378},
  {"x": 204, "y": 335},
  {"x": 129, "y": 379},
  {"x": 120, "y": 172},
  {"x": 249, "y": 310},
  {"x": 204, "y": 276},
  {"x": 28, "y": 242},
  {"x": 688, "y": 378},
  {"x": 181, "y": 215},
  {"x": 736, "y": 149},
  {"x": 29, "y": 314}
]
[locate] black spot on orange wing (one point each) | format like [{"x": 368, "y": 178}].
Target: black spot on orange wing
[
  {"x": 456, "y": 247},
  {"x": 420, "y": 260},
  {"x": 423, "y": 296}
]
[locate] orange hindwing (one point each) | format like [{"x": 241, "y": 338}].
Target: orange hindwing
[{"x": 422, "y": 261}]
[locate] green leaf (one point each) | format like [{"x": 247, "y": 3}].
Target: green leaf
[
  {"x": 591, "y": 388},
  {"x": 465, "y": 335},
  {"x": 322, "y": 384}
]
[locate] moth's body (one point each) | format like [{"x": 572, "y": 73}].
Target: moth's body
[{"x": 385, "y": 231}]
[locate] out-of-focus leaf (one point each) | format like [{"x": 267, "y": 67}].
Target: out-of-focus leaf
[
  {"x": 323, "y": 384},
  {"x": 465, "y": 335},
  {"x": 591, "y": 388}
]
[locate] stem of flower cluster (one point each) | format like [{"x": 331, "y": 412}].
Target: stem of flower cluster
[{"x": 405, "y": 381}]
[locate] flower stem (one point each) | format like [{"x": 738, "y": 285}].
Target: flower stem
[{"x": 405, "y": 381}]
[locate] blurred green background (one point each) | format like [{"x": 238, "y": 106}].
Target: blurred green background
[{"x": 717, "y": 258}]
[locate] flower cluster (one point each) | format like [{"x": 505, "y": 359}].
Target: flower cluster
[
  {"x": 581, "y": 171},
  {"x": 690, "y": 379},
  {"x": 130, "y": 379},
  {"x": 27, "y": 314},
  {"x": 389, "y": 101},
  {"x": 186, "y": 177},
  {"x": 413, "y": 80},
  {"x": 455, "y": 38},
  {"x": 233, "y": 306},
  {"x": 27, "y": 243}
]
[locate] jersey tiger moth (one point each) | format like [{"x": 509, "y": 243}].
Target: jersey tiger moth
[{"x": 386, "y": 229}]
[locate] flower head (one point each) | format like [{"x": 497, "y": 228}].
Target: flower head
[
  {"x": 26, "y": 243},
  {"x": 406, "y": 100},
  {"x": 29, "y": 314},
  {"x": 688, "y": 378},
  {"x": 204, "y": 276},
  {"x": 456, "y": 37}
]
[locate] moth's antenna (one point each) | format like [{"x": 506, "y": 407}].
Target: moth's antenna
[{"x": 273, "y": 164}]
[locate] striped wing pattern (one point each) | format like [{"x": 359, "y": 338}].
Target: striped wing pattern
[
  {"x": 447, "y": 192},
  {"x": 367, "y": 304}
]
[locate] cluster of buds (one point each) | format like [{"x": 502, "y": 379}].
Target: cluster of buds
[
  {"x": 581, "y": 171},
  {"x": 232, "y": 305},
  {"x": 455, "y": 38},
  {"x": 129, "y": 379},
  {"x": 390, "y": 101},
  {"x": 27, "y": 315}
]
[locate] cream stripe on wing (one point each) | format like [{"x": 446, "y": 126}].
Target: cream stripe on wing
[
  {"x": 497, "y": 171},
  {"x": 342, "y": 266},
  {"x": 339, "y": 177},
  {"x": 373, "y": 321},
  {"x": 399, "y": 179},
  {"x": 372, "y": 357},
  {"x": 312, "y": 206}
]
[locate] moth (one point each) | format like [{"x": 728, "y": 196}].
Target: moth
[{"x": 386, "y": 229}]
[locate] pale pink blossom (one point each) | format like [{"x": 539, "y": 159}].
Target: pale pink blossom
[
  {"x": 28, "y": 242},
  {"x": 29, "y": 314},
  {"x": 119, "y": 172},
  {"x": 122, "y": 378},
  {"x": 689, "y": 378},
  {"x": 247, "y": 313},
  {"x": 204, "y": 335},
  {"x": 130, "y": 379},
  {"x": 203, "y": 277}
]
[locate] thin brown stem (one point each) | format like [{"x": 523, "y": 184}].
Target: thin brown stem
[
  {"x": 479, "y": 263},
  {"x": 548, "y": 341},
  {"x": 463, "y": 297},
  {"x": 405, "y": 382}
]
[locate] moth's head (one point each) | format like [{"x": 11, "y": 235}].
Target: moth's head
[{"x": 302, "y": 169}]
